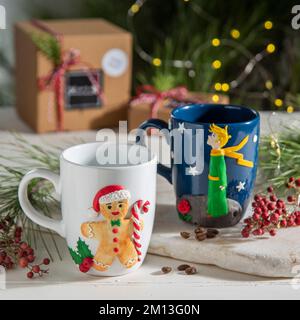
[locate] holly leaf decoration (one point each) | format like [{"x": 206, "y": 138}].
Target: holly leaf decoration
[
  {"x": 188, "y": 218},
  {"x": 185, "y": 217},
  {"x": 75, "y": 256},
  {"x": 83, "y": 249}
]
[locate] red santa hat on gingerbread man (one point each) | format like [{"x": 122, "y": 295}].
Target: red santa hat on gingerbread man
[{"x": 110, "y": 194}]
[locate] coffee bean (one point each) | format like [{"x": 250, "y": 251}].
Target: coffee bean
[
  {"x": 166, "y": 269},
  {"x": 200, "y": 230},
  {"x": 185, "y": 235},
  {"x": 190, "y": 270},
  {"x": 201, "y": 236},
  {"x": 182, "y": 267},
  {"x": 212, "y": 233},
  {"x": 204, "y": 233}
]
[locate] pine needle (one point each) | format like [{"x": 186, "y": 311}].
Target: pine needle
[
  {"x": 280, "y": 157},
  {"x": 26, "y": 156},
  {"x": 48, "y": 45}
]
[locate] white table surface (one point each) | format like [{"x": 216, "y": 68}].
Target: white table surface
[{"x": 65, "y": 282}]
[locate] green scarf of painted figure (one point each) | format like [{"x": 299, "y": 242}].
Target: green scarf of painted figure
[{"x": 217, "y": 200}]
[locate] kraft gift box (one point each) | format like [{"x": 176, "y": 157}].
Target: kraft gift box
[{"x": 104, "y": 49}]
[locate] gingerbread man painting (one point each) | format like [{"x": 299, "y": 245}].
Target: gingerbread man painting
[{"x": 117, "y": 235}]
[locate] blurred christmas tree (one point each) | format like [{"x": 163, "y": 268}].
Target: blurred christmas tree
[{"x": 246, "y": 49}]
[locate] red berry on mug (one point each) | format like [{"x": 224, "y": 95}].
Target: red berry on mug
[
  {"x": 83, "y": 268},
  {"x": 273, "y": 198},
  {"x": 290, "y": 199},
  {"x": 183, "y": 206},
  {"x": 291, "y": 179},
  {"x": 30, "y": 275},
  {"x": 88, "y": 262},
  {"x": 46, "y": 261},
  {"x": 297, "y": 182},
  {"x": 272, "y": 232},
  {"x": 270, "y": 189}
]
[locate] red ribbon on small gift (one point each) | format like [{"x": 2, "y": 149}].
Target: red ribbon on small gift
[
  {"x": 54, "y": 79},
  {"x": 150, "y": 95}
]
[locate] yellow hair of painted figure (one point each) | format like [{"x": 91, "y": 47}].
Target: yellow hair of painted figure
[{"x": 222, "y": 134}]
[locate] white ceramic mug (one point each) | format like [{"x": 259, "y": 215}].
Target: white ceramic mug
[{"x": 107, "y": 209}]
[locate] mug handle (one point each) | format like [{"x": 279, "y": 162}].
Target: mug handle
[
  {"x": 162, "y": 170},
  {"x": 27, "y": 207}
]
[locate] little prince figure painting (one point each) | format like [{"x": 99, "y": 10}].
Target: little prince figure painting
[{"x": 217, "y": 184}]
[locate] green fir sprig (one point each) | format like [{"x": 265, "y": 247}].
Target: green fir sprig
[
  {"x": 48, "y": 45},
  {"x": 280, "y": 157},
  {"x": 24, "y": 156}
]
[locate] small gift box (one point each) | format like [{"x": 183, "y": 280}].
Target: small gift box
[
  {"x": 151, "y": 103},
  {"x": 72, "y": 74}
]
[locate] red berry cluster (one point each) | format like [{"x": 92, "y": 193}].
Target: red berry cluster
[
  {"x": 271, "y": 213},
  {"x": 15, "y": 252},
  {"x": 5, "y": 259},
  {"x": 86, "y": 264}
]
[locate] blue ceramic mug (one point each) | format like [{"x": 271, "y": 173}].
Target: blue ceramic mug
[{"x": 214, "y": 154}]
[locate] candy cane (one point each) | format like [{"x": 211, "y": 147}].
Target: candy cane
[{"x": 138, "y": 208}]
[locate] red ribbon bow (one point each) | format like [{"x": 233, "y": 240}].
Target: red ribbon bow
[
  {"x": 54, "y": 79},
  {"x": 149, "y": 94}
]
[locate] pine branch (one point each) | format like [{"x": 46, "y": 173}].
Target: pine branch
[
  {"x": 24, "y": 157},
  {"x": 49, "y": 46},
  {"x": 280, "y": 157}
]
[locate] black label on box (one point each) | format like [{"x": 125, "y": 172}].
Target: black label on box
[{"x": 80, "y": 93}]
